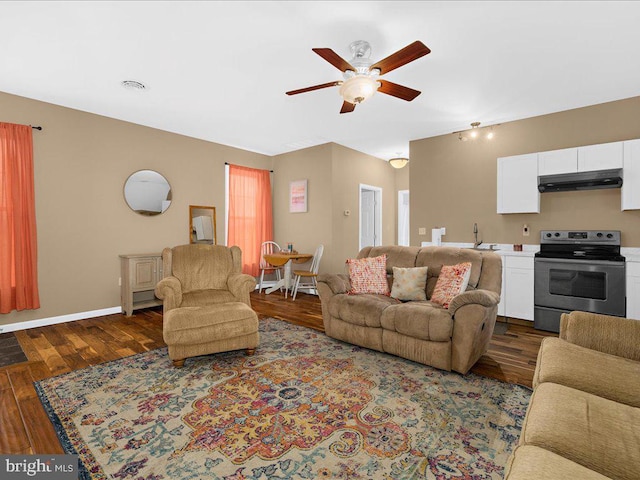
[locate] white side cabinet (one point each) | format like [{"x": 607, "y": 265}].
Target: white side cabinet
[
  {"x": 604, "y": 156},
  {"x": 518, "y": 287},
  {"x": 631, "y": 175},
  {"x": 518, "y": 184},
  {"x": 139, "y": 275},
  {"x": 633, "y": 290}
]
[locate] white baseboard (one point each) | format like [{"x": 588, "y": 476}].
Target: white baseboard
[{"x": 43, "y": 322}]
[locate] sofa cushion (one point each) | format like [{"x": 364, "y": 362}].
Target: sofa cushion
[
  {"x": 605, "y": 375},
  {"x": 368, "y": 275},
  {"x": 534, "y": 463},
  {"x": 453, "y": 281},
  {"x": 421, "y": 320},
  {"x": 436, "y": 257},
  {"x": 595, "y": 432},
  {"x": 409, "y": 283},
  {"x": 363, "y": 310}
]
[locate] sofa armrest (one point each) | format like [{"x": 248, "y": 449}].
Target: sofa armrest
[
  {"x": 337, "y": 283},
  {"x": 604, "y": 333},
  {"x": 169, "y": 290},
  {"x": 486, "y": 298},
  {"x": 241, "y": 285}
]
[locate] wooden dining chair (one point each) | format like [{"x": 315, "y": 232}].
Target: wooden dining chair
[
  {"x": 268, "y": 248},
  {"x": 309, "y": 276}
]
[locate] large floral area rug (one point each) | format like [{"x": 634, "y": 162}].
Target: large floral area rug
[{"x": 304, "y": 407}]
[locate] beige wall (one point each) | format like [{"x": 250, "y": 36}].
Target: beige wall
[
  {"x": 81, "y": 163},
  {"x": 334, "y": 174},
  {"x": 453, "y": 183}
]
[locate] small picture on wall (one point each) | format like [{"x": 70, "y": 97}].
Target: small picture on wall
[{"x": 298, "y": 196}]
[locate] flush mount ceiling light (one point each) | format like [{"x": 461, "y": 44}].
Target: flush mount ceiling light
[
  {"x": 134, "y": 85},
  {"x": 476, "y": 132},
  {"x": 398, "y": 162}
]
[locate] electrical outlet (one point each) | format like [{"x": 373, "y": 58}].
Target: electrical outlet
[
  {"x": 422, "y": 231},
  {"x": 119, "y": 281},
  {"x": 525, "y": 230}
]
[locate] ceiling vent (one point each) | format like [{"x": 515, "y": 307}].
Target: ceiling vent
[{"x": 133, "y": 85}]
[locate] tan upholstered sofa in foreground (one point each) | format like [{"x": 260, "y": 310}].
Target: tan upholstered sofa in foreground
[
  {"x": 583, "y": 421},
  {"x": 452, "y": 338}
]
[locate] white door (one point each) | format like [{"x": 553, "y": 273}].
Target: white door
[
  {"x": 403, "y": 218},
  {"x": 370, "y": 216}
]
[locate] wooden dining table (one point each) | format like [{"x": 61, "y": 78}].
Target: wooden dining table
[{"x": 285, "y": 259}]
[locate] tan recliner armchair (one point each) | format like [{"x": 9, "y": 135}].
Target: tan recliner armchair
[{"x": 206, "y": 304}]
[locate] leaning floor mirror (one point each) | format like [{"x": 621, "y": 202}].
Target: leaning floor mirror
[{"x": 202, "y": 224}]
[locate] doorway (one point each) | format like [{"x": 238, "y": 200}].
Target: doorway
[
  {"x": 403, "y": 218},
  {"x": 370, "y": 216}
]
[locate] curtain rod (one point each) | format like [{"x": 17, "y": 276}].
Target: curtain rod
[
  {"x": 227, "y": 163},
  {"x": 35, "y": 128}
]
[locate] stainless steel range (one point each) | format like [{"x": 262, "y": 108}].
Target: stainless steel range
[{"x": 578, "y": 270}]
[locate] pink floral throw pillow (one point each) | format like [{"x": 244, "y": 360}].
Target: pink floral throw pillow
[
  {"x": 453, "y": 280},
  {"x": 368, "y": 275}
]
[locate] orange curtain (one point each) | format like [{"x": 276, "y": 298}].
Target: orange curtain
[
  {"x": 250, "y": 214},
  {"x": 18, "y": 245}
]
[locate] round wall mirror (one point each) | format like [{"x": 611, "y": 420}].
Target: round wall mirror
[{"x": 147, "y": 192}]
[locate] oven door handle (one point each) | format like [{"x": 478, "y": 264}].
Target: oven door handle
[{"x": 607, "y": 263}]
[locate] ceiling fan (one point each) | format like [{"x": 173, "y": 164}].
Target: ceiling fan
[{"x": 361, "y": 74}]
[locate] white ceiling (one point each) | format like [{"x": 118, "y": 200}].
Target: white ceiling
[{"x": 219, "y": 70}]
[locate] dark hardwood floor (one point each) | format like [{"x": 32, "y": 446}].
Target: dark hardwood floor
[{"x": 57, "y": 349}]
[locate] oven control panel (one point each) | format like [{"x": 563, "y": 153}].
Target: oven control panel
[{"x": 595, "y": 237}]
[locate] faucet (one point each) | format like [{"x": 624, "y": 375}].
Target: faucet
[{"x": 477, "y": 243}]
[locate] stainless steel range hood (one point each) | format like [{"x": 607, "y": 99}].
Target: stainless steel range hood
[{"x": 580, "y": 181}]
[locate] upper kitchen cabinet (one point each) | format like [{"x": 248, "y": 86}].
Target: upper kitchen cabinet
[
  {"x": 555, "y": 162},
  {"x": 631, "y": 176},
  {"x": 518, "y": 184},
  {"x": 604, "y": 156}
]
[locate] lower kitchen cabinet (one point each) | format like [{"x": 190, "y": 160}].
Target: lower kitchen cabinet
[
  {"x": 633, "y": 290},
  {"x": 516, "y": 300}
]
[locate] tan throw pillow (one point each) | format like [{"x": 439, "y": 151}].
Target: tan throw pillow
[
  {"x": 453, "y": 280},
  {"x": 368, "y": 275},
  {"x": 409, "y": 283}
]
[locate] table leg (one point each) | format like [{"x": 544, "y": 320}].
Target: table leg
[{"x": 284, "y": 282}]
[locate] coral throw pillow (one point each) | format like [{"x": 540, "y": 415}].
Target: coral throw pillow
[
  {"x": 409, "y": 283},
  {"x": 368, "y": 275},
  {"x": 453, "y": 280}
]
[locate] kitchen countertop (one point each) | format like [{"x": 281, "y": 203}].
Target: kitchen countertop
[{"x": 504, "y": 249}]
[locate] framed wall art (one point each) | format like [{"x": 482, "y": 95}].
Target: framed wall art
[{"x": 298, "y": 196}]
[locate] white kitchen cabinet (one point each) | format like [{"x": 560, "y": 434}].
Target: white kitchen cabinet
[
  {"x": 631, "y": 175},
  {"x": 518, "y": 287},
  {"x": 501, "y": 308},
  {"x": 518, "y": 184},
  {"x": 558, "y": 161},
  {"x": 633, "y": 290},
  {"x": 604, "y": 156}
]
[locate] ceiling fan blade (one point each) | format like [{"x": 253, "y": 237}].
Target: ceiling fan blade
[
  {"x": 347, "y": 107},
  {"x": 334, "y": 59},
  {"x": 395, "y": 90},
  {"x": 315, "y": 87},
  {"x": 408, "y": 54}
]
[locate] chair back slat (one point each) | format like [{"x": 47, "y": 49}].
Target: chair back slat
[{"x": 267, "y": 248}]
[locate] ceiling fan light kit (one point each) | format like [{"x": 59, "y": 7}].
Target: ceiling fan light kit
[{"x": 361, "y": 77}]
